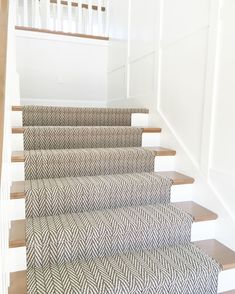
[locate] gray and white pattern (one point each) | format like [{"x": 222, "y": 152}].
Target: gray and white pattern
[
  {"x": 38, "y": 138},
  {"x": 40, "y": 164},
  {"x": 99, "y": 220},
  {"x": 70, "y": 195},
  {"x": 182, "y": 269},
  {"x": 79, "y": 236},
  {"x": 73, "y": 116}
]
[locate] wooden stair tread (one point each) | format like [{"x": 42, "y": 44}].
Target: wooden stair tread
[
  {"x": 221, "y": 253},
  {"x": 17, "y": 234},
  {"x": 178, "y": 178},
  {"x": 18, "y": 192},
  {"x": 199, "y": 213},
  {"x": 17, "y": 108},
  {"x": 20, "y": 130},
  {"x": 18, "y": 156},
  {"x": 18, "y": 283},
  {"x": 213, "y": 248}
]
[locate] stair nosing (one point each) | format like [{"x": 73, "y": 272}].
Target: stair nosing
[
  {"x": 17, "y": 188},
  {"x": 188, "y": 206},
  {"x": 20, "y": 130},
  {"x": 18, "y": 156},
  {"x": 225, "y": 265}
]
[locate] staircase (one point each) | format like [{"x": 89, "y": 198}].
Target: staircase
[{"x": 99, "y": 216}]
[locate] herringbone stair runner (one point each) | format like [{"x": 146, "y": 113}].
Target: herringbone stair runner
[
  {"x": 46, "y": 197},
  {"x": 99, "y": 220},
  {"x": 81, "y": 137},
  {"x": 73, "y": 116}
]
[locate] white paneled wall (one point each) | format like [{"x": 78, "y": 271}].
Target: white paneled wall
[
  {"x": 180, "y": 63},
  {"x": 132, "y": 52},
  {"x": 117, "y": 65}
]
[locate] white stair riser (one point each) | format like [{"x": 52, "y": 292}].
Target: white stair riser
[
  {"x": 17, "y": 171},
  {"x": 17, "y": 142},
  {"x": 139, "y": 119},
  {"x": 226, "y": 280}
]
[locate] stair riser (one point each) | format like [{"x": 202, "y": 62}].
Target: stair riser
[
  {"x": 148, "y": 140},
  {"x": 226, "y": 280},
  {"x": 200, "y": 231}
]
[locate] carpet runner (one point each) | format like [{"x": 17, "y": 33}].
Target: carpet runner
[
  {"x": 74, "y": 116},
  {"x": 46, "y": 197},
  {"x": 99, "y": 220},
  {"x": 63, "y": 163},
  {"x": 81, "y": 137}
]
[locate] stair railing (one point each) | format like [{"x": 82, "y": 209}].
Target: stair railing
[{"x": 87, "y": 17}]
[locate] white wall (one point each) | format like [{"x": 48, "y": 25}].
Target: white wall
[
  {"x": 133, "y": 52},
  {"x": 222, "y": 167},
  {"x": 69, "y": 70},
  {"x": 117, "y": 56},
  {"x": 181, "y": 65}
]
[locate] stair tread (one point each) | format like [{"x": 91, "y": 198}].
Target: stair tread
[
  {"x": 215, "y": 249},
  {"x": 18, "y": 283},
  {"x": 18, "y": 188},
  {"x": 20, "y": 130},
  {"x": 224, "y": 255},
  {"x": 18, "y": 156},
  {"x": 199, "y": 213},
  {"x": 178, "y": 178}
]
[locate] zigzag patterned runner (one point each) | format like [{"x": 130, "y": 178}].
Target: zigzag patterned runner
[
  {"x": 36, "y": 138},
  {"x": 70, "y": 195},
  {"x": 68, "y": 237},
  {"x": 46, "y": 164},
  {"x": 182, "y": 269},
  {"x": 73, "y": 116}
]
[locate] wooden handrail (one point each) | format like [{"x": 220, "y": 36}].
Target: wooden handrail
[
  {"x": 4, "y": 8},
  {"x": 74, "y": 4}
]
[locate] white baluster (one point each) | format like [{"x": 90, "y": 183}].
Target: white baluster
[
  {"x": 25, "y": 13},
  {"x": 59, "y": 15},
  {"x": 79, "y": 19},
  {"x": 45, "y": 13},
  {"x": 107, "y": 18},
  {"x": 69, "y": 15},
  {"x": 90, "y": 21},
  {"x": 54, "y": 15},
  {"x": 100, "y": 18},
  {"x": 36, "y": 22},
  {"x": 17, "y": 23}
]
